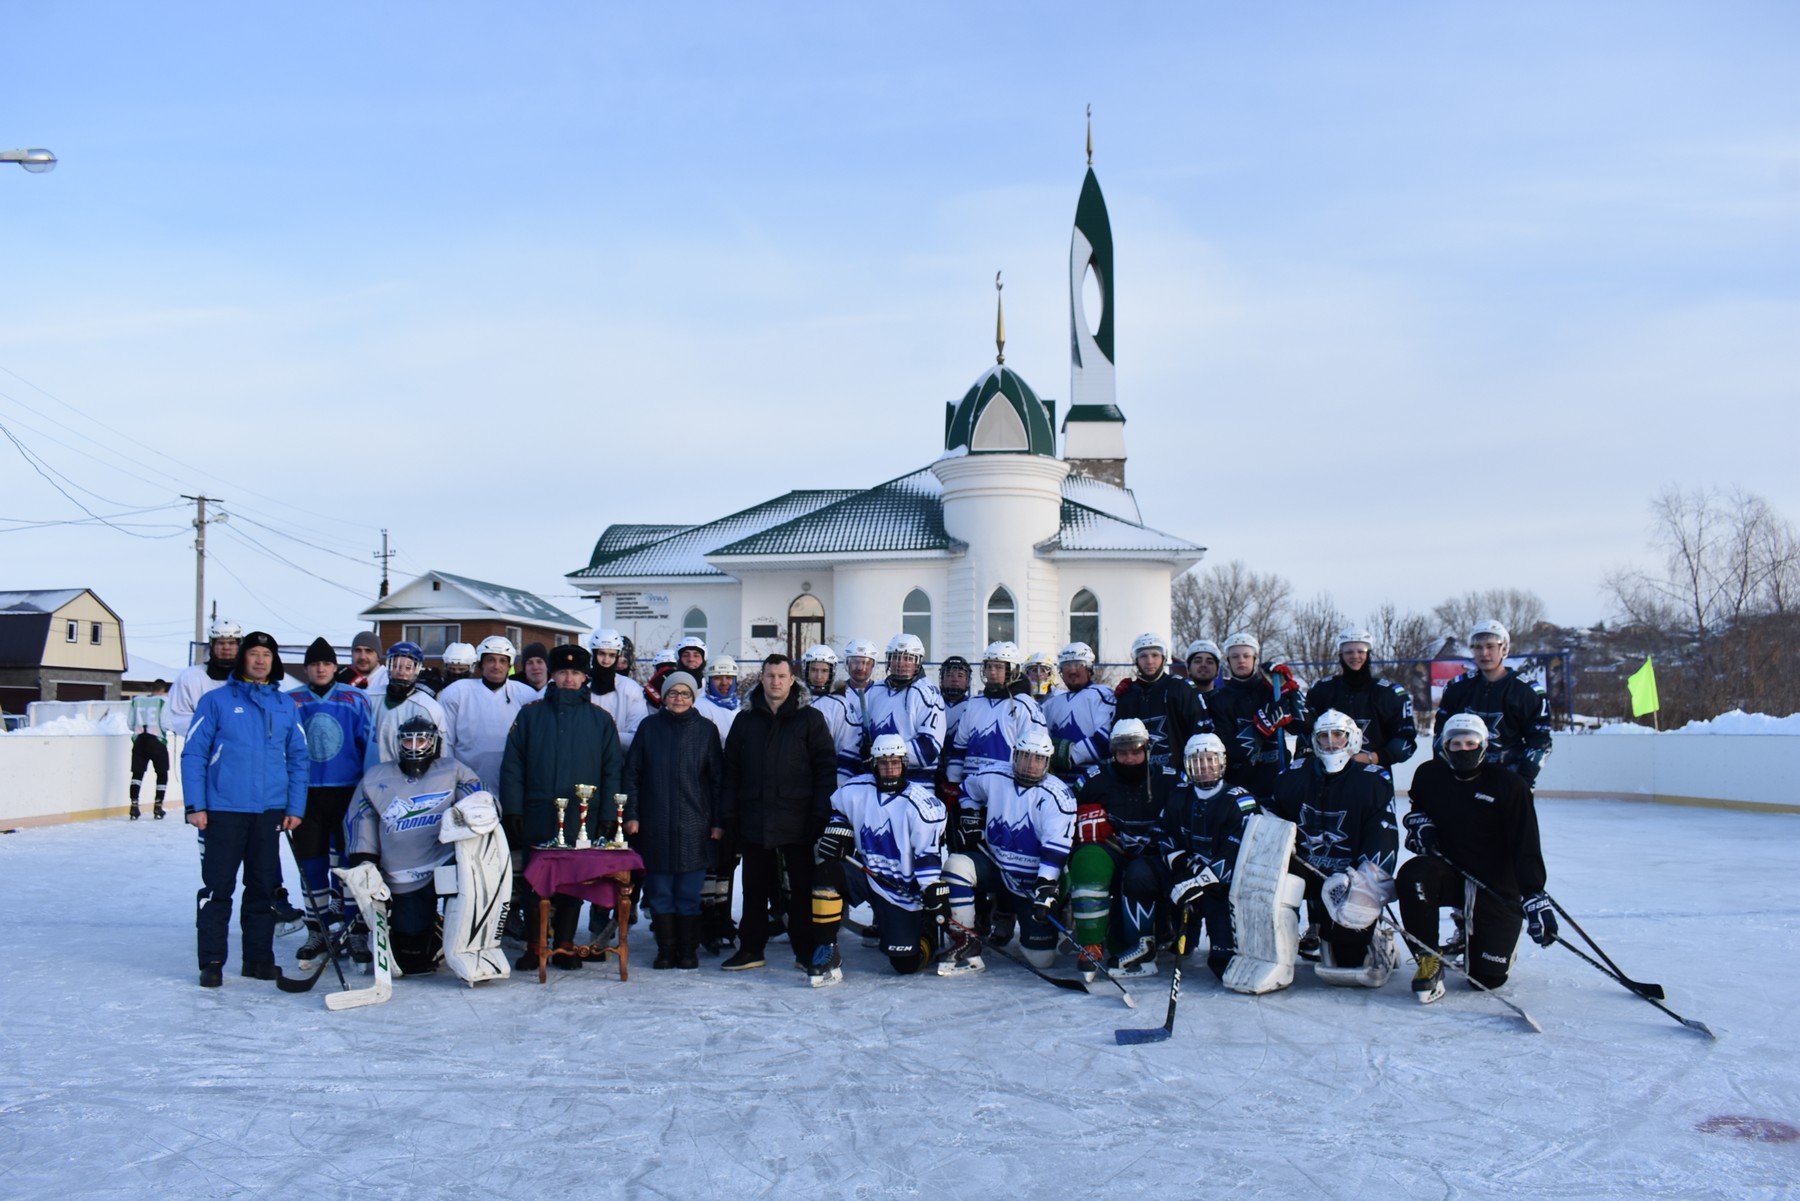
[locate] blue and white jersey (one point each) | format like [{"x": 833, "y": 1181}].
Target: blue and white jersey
[
  {"x": 1084, "y": 720},
  {"x": 989, "y": 729},
  {"x": 845, "y": 724},
  {"x": 397, "y": 819},
  {"x": 916, "y": 714},
  {"x": 338, "y": 726},
  {"x": 1028, "y": 829},
  {"x": 899, "y": 835}
]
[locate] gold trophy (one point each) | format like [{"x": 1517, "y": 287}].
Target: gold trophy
[
  {"x": 585, "y": 792},
  {"x": 562, "y": 809},
  {"x": 618, "y": 842}
]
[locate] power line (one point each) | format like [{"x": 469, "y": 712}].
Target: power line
[
  {"x": 28, "y": 457},
  {"x": 255, "y": 545},
  {"x": 292, "y": 624},
  {"x": 239, "y": 514}
]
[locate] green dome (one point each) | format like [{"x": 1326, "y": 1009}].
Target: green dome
[{"x": 1000, "y": 414}]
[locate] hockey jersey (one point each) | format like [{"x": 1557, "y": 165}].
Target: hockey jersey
[
  {"x": 184, "y": 695},
  {"x": 477, "y": 719},
  {"x": 1171, "y": 711},
  {"x": 396, "y": 818},
  {"x": 1517, "y": 713},
  {"x": 899, "y": 835},
  {"x": 846, "y": 733},
  {"x": 626, "y": 705},
  {"x": 916, "y": 713},
  {"x": 1381, "y": 708},
  {"x": 1345, "y": 817},
  {"x": 1028, "y": 830},
  {"x": 1131, "y": 807},
  {"x": 1083, "y": 719},
  {"x": 338, "y": 727},
  {"x": 384, "y": 743},
  {"x": 1208, "y": 825},
  {"x": 987, "y": 732}
]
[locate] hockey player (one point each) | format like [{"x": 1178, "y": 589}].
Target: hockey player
[
  {"x": 859, "y": 680},
  {"x": 402, "y": 697},
  {"x": 1347, "y": 834},
  {"x": 394, "y": 825},
  {"x": 1251, "y": 710},
  {"x": 1080, "y": 717},
  {"x": 1171, "y": 711},
  {"x": 479, "y": 713},
  {"x": 1197, "y": 838},
  {"x": 820, "y": 666},
  {"x": 665, "y": 666},
  {"x": 992, "y": 723},
  {"x": 1016, "y": 828},
  {"x": 196, "y": 681},
  {"x": 909, "y": 705},
  {"x": 1115, "y": 887},
  {"x": 337, "y": 723},
  {"x": 1515, "y": 711},
  {"x": 365, "y": 661},
  {"x": 1474, "y": 815},
  {"x": 953, "y": 683},
  {"x": 883, "y": 846},
  {"x": 1384, "y": 710},
  {"x": 459, "y": 663},
  {"x": 1203, "y": 661},
  {"x": 1040, "y": 675},
  {"x": 611, "y": 686},
  {"x": 149, "y": 716},
  {"x": 718, "y": 702}
]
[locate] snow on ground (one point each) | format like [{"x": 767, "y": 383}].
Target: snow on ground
[
  {"x": 121, "y": 1078},
  {"x": 1734, "y": 722}
]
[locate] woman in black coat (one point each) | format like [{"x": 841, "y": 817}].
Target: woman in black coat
[{"x": 672, "y": 815}]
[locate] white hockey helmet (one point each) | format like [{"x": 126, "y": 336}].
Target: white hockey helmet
[
  {"x": 861, "y": 648},
  {"x": 1150, "y": 642},
  {"x": 1128, "y": 732},
  {"x": 722, "y": 665},
  {"x": 1490, "y": 629},
  {"x": 1076, "y": 652},
  {"x": 1204, "y": 759},
  {"x": 665, "y": 655},
  {"x": 888, "y": 746},
  {"x": 1355, "y": 634},
  {"x": 1244, "y": 638},
  {"x": 1004, "y": 652},
  {"x": 1203, "y": 646},
  {"x": 1040, "y": 659},
  {"x": 224, "y": 627},
  {"x": 693, "y": 642},
  {"x": 906, "y": 644},
  {"x": 606, "y": 639},
  {"x": 494, "y": 644},
  {"x": 1031, "y": 756},
  {"x": 885, "y": 748},
  {"x": 460, "y": 654},
  {"x": 1335, "y": 739},
  {"x": 819, "y": 653}
]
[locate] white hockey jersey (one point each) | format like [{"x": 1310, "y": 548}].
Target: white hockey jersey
[
  {"x": 916, "y": 714},
  {"x": 1084, "y": 720},
  {"x": 899, "y": 835},
  {"x": 1028, "y": 830},
  {"x": 989, "y": 729},
  {"x": 477, "y": 720},
  {"x": 626, "y": 705},
  {"x": 191, "y": 683},
  {"x": 845, "y": 724},
  {"x": 384, "y": 745}
]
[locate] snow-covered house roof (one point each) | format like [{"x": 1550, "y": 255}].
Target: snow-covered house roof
[
  {"x": 683, "y": 554},
  {"x": 1108, "y": 498},
  {"x": 439, "y": 594},
  {"x": 38, "y": 600},
  {"x": 1090, "y": 534}
]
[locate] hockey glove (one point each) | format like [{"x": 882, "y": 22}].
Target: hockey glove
[
  {"x": 934, "y": 899},
  {"x": 947, "y": 791},
  {"x": 1121, "y": 688},
  {"x": 1043, "y": 900},
  {"x": 837, "y": 841},
  {"x": 1283, "y": 677},
  {"x": 1421, "y": 833},
  {"x": 1192, "y": 879},
  {"x": 1540, "y": 919},
  {"x": 1270, "y": 719},
  {"x": 967, "y": 836}
]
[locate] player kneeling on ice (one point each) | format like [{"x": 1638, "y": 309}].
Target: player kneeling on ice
[
  {"x": 883, "y": 847},
  {"x": 395, "y": 852},
  {"x": 1347, "y": 835},
  {"x": 1197, "y": 841},
  {"x": 1469, "y": 814},
  {"x": 1116, "y": 881},
  {"x": 1013, "y": 838}
]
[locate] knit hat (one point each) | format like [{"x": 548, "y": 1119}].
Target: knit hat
[
  {"x": 320, "y": 652},
  {"x": 680, "y": 679},
  {"x": 365, "y": 639},
  {"x": 533, "y": 650},
  {"x": 568, "y": 658}
]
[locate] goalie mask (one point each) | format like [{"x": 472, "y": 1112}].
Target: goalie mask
[
  {"x": 887, "y": 761},
  {"x": 1031, "y": 758},
  {"x": 419, "y": 745},
  {"x": 1204, "y": 759},
  {"x": 1465, "y": 744},
  {"x": 1336, "y": 739}
]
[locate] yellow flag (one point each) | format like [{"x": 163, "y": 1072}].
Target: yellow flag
[{"x": 1642, "y": 683}]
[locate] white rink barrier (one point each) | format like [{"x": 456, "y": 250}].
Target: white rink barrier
[{"x": 45, "y": 780}]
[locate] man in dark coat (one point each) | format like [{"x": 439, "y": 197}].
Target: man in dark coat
[
  {"x": 555, "y": 744},
  {"x": 780, "y": 772}
]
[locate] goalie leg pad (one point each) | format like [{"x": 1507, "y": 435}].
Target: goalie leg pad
[
  {"x": 1090, "y": 873},
  {"x": 475, "y": 917},
  {"x": 1265, "y": 908},
  {"x": 1371, "y": 969}
]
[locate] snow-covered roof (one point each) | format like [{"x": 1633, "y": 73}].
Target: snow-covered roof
[
  {"x": 619, "y": 538},
  {"x": 684, "y": 553},
  {"x": 496, "y": 599},
  {"x": 40, "y": 600},
  {"x": 904, "y": 514},
  {"x": 1086, "y": 530},
  {"x": 1108, "y": 498}
]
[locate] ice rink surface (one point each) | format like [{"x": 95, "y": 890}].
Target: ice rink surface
[{"x": 119, "y": 1077}]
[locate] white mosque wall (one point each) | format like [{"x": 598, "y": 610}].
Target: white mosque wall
[
  {"x": 653, "y": 615},
  {"x": 1133, "y": 596},
  {"x": 870, "y": 599},
  {"x": 1002, "y": 506}
]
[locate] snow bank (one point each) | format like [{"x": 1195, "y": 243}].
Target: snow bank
[
  {"x": 1736, "y": 722},
  {"x": 71, "y": 727}
]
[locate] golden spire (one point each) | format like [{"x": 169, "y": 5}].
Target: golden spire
[
  {"x": 1090, "y": 116},
  {"x": 999, "y": 321}
]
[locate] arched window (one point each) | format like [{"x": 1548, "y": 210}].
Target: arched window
[
  {"x": 1084, "y": 619},
  {"x": 1002, "y": 614},
  {"x": 806, "y": 624},
  {"x": 694, "y": 624},
  {"x": 915, "y": 617}
]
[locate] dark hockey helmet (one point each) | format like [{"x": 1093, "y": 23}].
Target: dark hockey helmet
[{"x": 420, "y": 743}]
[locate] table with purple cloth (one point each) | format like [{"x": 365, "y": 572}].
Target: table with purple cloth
[{"x": 600, "y": 876}]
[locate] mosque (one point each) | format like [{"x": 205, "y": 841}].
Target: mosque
[{"x": 1001, "y": 537}]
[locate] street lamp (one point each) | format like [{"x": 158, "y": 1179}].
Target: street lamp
[{"x": 35, "y": 161}]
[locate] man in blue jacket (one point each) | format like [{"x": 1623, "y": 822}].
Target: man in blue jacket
[{"x": 244, "y": 774}]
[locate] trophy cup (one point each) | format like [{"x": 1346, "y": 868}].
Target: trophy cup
[
  {"x": 585, "y": 792},
  {"x": 562, "y": 809},
  {"x": 618, "y": 842}
]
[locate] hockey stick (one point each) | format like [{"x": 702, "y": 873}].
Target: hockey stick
[
  {"x": 383, "y": 988},
  {"x": 1651, "y": 991},
  {"x": 1690, "y": 1023},
  {"x": 1084, "y": 957},
  {"x": 1157, "y": 1034},
  {"x": 287, "y": 983}
]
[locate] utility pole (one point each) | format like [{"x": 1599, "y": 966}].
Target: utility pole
[
  {"x": 384, "y": 554},
  {"x": 201, "y": 521}
]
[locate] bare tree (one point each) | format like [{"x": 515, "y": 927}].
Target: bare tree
[
  {"x": 1398, "y": 635},
  {"x": 1310, "y": 633},
  {"x": 1725, "y": 556},
  {"x": 1518, "y": 609},
  {"x": 1227, "y": 599}
]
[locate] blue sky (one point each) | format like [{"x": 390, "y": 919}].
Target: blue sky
[{"x": 1411, "y": 300}]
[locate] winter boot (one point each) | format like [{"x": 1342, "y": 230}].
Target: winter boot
[
  {"x": 827, "y": 966},
  {"x": 687, "y": 939},
  {"x": 662, "y": 928},
  {"x": 1139, "y": 960},
  {"x": 743, "y": 960},
  {"x": 212, "y": 975},
  {"x": 1428, "y": 981}
]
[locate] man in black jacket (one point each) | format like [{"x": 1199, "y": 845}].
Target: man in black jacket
[
  {"x": 555, "y": 744},
  {"x": 780, "y": 772}
]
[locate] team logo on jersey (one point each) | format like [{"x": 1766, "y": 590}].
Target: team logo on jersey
[
  {"x": 1323, "y": 830},
  {"x": 324, "y": 737},
  {"x": 411, "y": 812}
]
